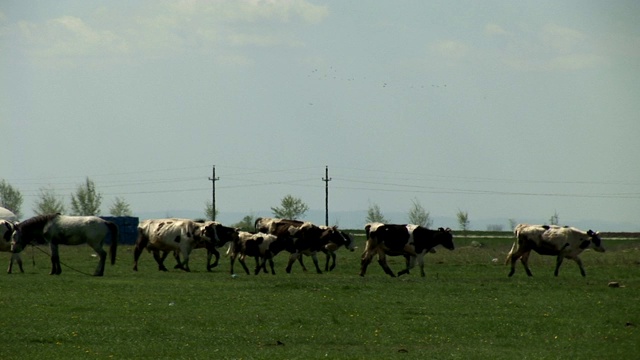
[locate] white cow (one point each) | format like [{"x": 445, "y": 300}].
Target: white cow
[
  {"x": 561, "y": 242},
  {"x": 171, "y": 235}
]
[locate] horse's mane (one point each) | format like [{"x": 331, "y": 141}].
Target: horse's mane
[{"x": 35, "y": 222}]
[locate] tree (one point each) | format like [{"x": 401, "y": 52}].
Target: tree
[
  {"x": 120, "y": 207},
  {"x": 10, "y": 198},
  {"x": 209, "y": 211},
  {"x": 512, "y": 224},
  {"x": 86, "y": 201},
  {"x": 290, "y": 208},
  {"x": 463, "y": 220},
  {"x": 419, "y": 216},
  {"x": 554, "y": 219},
  {"x": 48, "y": 203},
  {"x": 375, "y": 215},
  {"x": 246, "y": 224}
]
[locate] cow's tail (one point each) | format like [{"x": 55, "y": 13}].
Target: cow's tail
[
  {"x": 113, "y": 229},
  {"x": 510, "y": 254}
]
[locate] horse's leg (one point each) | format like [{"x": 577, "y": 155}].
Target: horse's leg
[
  {"x": 15, "y": 258},
  {"x": 103, "y": 258},
  {"x": 55, "y": 259}
]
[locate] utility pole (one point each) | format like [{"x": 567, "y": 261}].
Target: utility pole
[
  {"x": 213, "y": 180},
  {"x": 326, "y": 180}
]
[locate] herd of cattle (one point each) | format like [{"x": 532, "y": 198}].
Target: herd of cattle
[{"x": 179, "y": 237}]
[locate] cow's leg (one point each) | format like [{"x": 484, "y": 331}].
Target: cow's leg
[
  {"x": 382, "y": 260},
  {"x": 292, "y": 258},
  {"x": 525, "y": 262},
  {"x": 332, "y": 255},
  {"x": 141, "y": 243},
  {"x": 270, "y": 258},
  {"x": 408, "y": 266},
  {"x": 212, "y": 251},
  {"x": 559, "y": 260},
  {"x": 579, "y": 262},
  {"x": 176, "y": 255},
  {"x": 159, "y": 260},
  {"x": 244, "y": 265},
  {"x": 420, "y": 259},
  {"x": 55, "y": 259},
  {"x": 367, "y": 256},
  {"x": 315, "y": 262},
  {"x": 304, "y": 268}
]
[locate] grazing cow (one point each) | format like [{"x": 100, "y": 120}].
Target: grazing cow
[
  {"x": 407, "y": 240},
  {"x": 171, "y": 235},
  {"x": 561, "y": 242},
  {"x": 261, "y": 246},
  {"x": 6, "y": 230}
]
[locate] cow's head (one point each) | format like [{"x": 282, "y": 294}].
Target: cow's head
[
  {"x": 18, "y": 242},
  {"x": 445, "y": 238},
  {"x": 595, "y": 241}
]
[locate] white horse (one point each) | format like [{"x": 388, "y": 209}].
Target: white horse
[{"x": 59, "y": 229}]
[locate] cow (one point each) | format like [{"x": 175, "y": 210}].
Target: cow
[
  {"x": 225, "y": 235},
  {"x": 171, "y": 235},
  {"x": 561, "y": 242},
  {"x": 261, "y": 246},
  {"x": 309, "y": 239},
  {"x": 345, "y": 240},
  {"x": 411, "y": 241},
  {"x": 6, "y": 230}
]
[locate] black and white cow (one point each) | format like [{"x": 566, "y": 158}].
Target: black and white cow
[
  {"x": 561, "y": 242},
  {"x": 226, "y": 235},
  {"x": 261, "y": 246},
  {"x": 309, "y": 239},
  {"x": 6, "y": 230},
  {"x": 407, "y": 240},
  {"x": 171, "y": 235}
]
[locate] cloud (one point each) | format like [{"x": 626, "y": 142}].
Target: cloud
[
  {"x": 493, "y": 29},
  {"x": 162, "y": 29},
  {"x": 450, "y": 49}
]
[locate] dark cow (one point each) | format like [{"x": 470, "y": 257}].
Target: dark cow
[
  {"x": 345, "y": 240},
  {"x": 309, "y": 239},
  {"x": 407, "y": 240},
  {"x": 561, "y": 242}
]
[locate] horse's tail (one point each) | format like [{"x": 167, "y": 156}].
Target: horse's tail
[{"x": 113, "y": 229}]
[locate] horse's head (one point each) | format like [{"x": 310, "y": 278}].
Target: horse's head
[{"x": 18, "y": 241}]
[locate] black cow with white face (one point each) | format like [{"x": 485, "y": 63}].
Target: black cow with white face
[{"x": 411, "y": 241}]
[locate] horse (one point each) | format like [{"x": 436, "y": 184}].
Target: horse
[
  {"x": 6, "y": 230},
  {"x": 57, "y": 229}
]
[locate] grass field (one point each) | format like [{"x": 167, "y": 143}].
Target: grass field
[{"x": 465, "y": 308}]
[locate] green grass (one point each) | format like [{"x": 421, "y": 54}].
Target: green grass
[{"x": 465, "y": 308}]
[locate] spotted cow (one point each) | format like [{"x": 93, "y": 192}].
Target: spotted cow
[
  {"x": 411, "y": 241},
  {"x": 6, "y": 230}
]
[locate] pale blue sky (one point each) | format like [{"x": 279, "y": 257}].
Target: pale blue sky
[{"x": 502, "y": 109}]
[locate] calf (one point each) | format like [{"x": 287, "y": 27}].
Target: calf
[
  {"x": 561, "y": 242},
  {"x": 411, "y": 241},
  {"x": 263, "y": 247}
]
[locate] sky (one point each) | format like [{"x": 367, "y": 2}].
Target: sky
[{"x": 500, "y": 109}]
